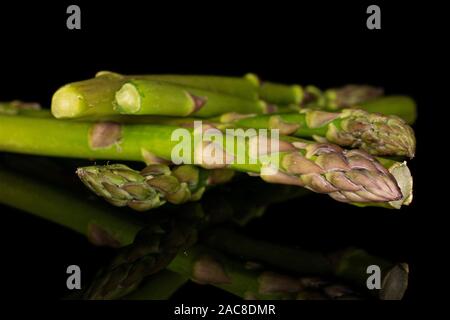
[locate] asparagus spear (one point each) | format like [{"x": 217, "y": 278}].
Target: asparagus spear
[
  {"x": 349, "y": 264},
  {"x": 250, "y": 87},
  {"x": 355, "y": 128},
  {"x": 242, "y": 87},
  {"x": 111, "y": 93},
  {"x": 375, "y": 133},
  {"x": 368, "y": 98},
  {"x": 364, "y": 97},
  {"x": 153, "y": 186},
  {"x": 347, "y": 176},
  {"x": 108, "y": 95}
]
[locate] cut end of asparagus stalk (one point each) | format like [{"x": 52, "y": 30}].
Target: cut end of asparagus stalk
[
  {"x": 128, "y": 99},
  {"x": 395, "y": 282},
  {"x": 68, "y": 103},
  {"x": 404, "y": 179}
]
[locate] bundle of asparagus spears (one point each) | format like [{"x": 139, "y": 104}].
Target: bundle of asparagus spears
[{"x": 347, "y": 142}]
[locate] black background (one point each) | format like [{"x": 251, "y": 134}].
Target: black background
[{"x": 326, "y": 44}]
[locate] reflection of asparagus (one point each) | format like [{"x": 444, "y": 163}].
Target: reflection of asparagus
[
  {"x": 104, "y": 228},
  {"x": 160, "y": 286},
  {"x": 157, "y": 244},
  {"x": 154, "y": 247},
  {"x": 100, "y": 224},
  {"x": 206, "y": 266},
  {"x": 350, "y": 264}
]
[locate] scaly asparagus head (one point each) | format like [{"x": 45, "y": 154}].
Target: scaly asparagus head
[
  {"x": 152, "y": 187},
  {"x": 346, "y": 175},
  {"x": 377, "y": 134}
]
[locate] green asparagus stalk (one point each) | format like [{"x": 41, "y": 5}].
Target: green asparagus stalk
[
  {"x": 242, "y": 87},
  {"x": 342, "y": 98},
  {"x": 375, "y": 133},
  {"x": 108, "y": 95},
  {"x": 347, "y": 176},
  {"x": 401, "y": 106},
  {"x": 349, "y": 264},
  {"x": 249, "y": 88},
  {"x": 371, "y": 99},
  {"x": 312, "y": 97}
]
